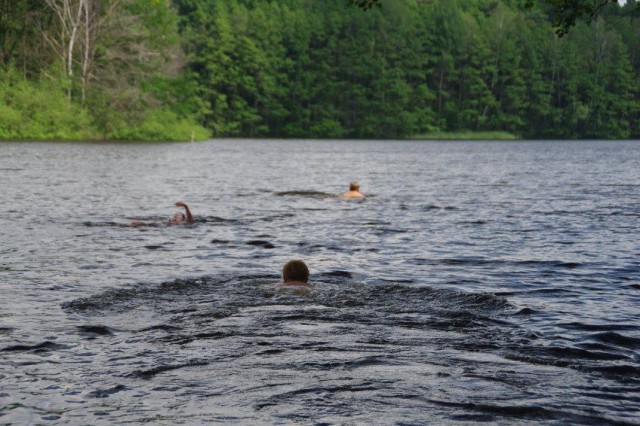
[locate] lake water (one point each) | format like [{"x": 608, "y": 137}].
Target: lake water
[{"x": 480, "y": 282}]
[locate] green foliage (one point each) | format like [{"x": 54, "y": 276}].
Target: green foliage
[
  {"x": 563, "y": 13},
  {"x": 364, "y": 4},
  {"x": 20, "y": 38},
  {"x": 157, "y": 125},
  {"x": 299, "y": 68},
  {"x": 317, "y": 69},
  {"x": 125, "y": 80},
  {"x": 39, "y": 110}
]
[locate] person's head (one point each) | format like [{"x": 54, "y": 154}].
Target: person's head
[
  {"x": 295, "y": 270},
  {"x": 177, "y": 218},
  {"x": 354, "y": 186}
]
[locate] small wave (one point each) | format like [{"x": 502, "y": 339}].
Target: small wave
[
  {"x": 477, "y": 261},
  {"x": 260, "y": 243},
  {"x": 604, "y": 361},
  {"x": 551, "y": 263},
  {"x": 157, "y": 246},
  {"x": 150, "y": 373},
  {"x": 618, "y": 213},
  {"x": 162, "y": 327},
  {"x": 577, "y": 353},
  {"x": 368, "y": 249},
  {"x": 343, "y": 274},
  {"x": 101, "y": 330},
  {"x": 526, "y": 311},
  {"x": 307, "y": 194},
  {"x": 108, "y": 298},
  {"x": 375, "y": 223},
  {"x": 218, "y": 241},
  {"x": 387, "y": 231},
  {"x": 124, "y": 299},
  {"x": 536, "y": 291},
  {"x": 489, "y": 412},
  {"x": 313, "y": 248},
  {"x": 621, "y": 185},
  {"x": 436, "y": 207},
  {"x": 276, "y": 217},
  {"x": 224, "y": 295},
  {"x": 596, "y": 327},
  {"x": 215, "y": 219},
  {"x": 182, "y": 339},
  {"x": 104, "y": 393},
  {"x": 396, "y": 281},
  {"x": 38, "y": 347},
  {"x": 107, "y": 224},
  {"x": 473, "y": 222},
  {"x": 623, "y": 372},
  {"x": 617, "y": 339}
]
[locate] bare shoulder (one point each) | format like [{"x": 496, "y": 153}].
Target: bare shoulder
[{"x": 352, "y": 194}]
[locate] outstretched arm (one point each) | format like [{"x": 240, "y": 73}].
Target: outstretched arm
[{"x": 186, "y": 208}]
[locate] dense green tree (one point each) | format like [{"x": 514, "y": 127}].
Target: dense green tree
[
  {"x": 503, "y": 31},
  {"x": 563, "y": 13},
  {"x": 21, "y": 42},
  {"x": 109, "y": 57},
  {"x": 609, "y": 88},
  {"x": 38, "y": 109},
  {"x": 537, "y": 110},
  {"x": 301, "y": 68}
]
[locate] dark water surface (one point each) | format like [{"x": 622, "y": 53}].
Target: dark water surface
[{"x": 481, "y": 282}]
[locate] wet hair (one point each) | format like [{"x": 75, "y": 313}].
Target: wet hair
[
  {"x": 174, "y": 219},
  {"x": 354, "y": 186},
  {"x": 295, "y": 270}
]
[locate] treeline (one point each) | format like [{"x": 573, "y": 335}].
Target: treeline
[
  {"x": 311, "y": 68},
  {"x": 94, "y": 69},
  {"x": 297, "y": 68}
]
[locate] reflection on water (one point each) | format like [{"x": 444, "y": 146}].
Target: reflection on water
[{"x": 481, "y": 282}]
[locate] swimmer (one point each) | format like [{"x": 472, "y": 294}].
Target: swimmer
[
  {"x": 295, "y": 274},
  {"x": 353, "y": 192},
  {"x": 179, "y": 218}
]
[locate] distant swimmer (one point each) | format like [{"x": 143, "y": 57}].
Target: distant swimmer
[
  {"x": 179, "y": 218},
  {"x": 353, "y": 192},
  {"x": 295, "y": 274}
]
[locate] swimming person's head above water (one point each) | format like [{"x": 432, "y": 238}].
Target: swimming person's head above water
[
  {"x": 353, "y": 192},
  {"x": 295, "y": 273},
  {"x": 179, "y": 218}
]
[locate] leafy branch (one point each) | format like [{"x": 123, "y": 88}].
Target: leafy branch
[{"x": 564, "y": 13}]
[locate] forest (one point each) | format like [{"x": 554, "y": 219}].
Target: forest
[{"x": 160, "y": 70}]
